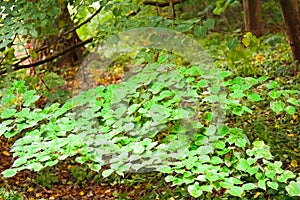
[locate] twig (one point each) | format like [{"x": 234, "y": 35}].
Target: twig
[
  {"x": 16, "y": 66},
  {"x": 162, "y": 4},
  {"x": 82, "y": 23},
  {"x": 60, "y": 36}
]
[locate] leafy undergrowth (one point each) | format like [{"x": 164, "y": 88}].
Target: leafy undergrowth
[
  {"x": 69, "y": 180},
  {"x": 220, "y": 162}
]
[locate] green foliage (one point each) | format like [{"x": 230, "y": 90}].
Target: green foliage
[
  {"x": 245, "y": 55},
  {"x": 46, "y": 178},
  {"x": 10, "y": 195},
  {"x": 222, "y": 5},
  {"x": 293, "y": 188},
  {"x": 100, "y": 129},
  {"x": 139, "y": 125}
]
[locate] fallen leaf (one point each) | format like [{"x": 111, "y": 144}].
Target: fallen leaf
[
  {"x": 81, "y": 193},
  {"x": 294, "y": 163},
  {"x": 30, "y": 189},
  {"x": 6, "y": 153},
  {"x": 256, "y": 195}
]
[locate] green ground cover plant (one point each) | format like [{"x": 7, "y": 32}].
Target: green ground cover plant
[{"x": 99, "y": 132}]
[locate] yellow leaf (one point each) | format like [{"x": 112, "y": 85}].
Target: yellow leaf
[
  {"x": 30, "y": 189},
  {"x": 246, "y": 41},
  {"x": 6, "y": 153},
  {"x": 295, "y": 117},
  {"x": 259, "y": 58},
  {"x": 294, "y": 163},
  {"x": 292, "y": 122},
  {"x": 256, "y": 195},
  {"x": 291, "y": 135},
  {"x": 81, "y": 193},
  {"x": 137, "y": 187}
]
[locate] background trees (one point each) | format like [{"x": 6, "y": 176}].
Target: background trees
[{"x": 51, "y": 26}]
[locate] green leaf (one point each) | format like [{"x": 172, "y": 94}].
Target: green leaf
[
  {"x": 259, "y": 144},
  {"x": 262, "y": 79},
  {"x": 30, "y": 98},
  {"x": 107, "y": 172},
  {"x": 194, "y": 190},
  {"x": 236, "y": 191},
  {"x": 253, "y": 97},
  {"x": 232, "y": 44},
  {"x": 272, "y": 185},
  {"x": 285, "y": 176},
  {"x": 139, "y": 149},
  {"x": 270, "y": 174},
  {"x": 277, "y": 106},
  {"x": 170, "y": 178},
  {"x": 211, "y": 130},
  {"x": 272, "y": 85},
  {"x": 249, "y": 186},
  {"x": 133, "y": 108},
  {"x": 162, "y": 58},
  {"x": 220, "y": 144},
  {"x": 200, "y": 31},
  {"x": 184, "y": 27},
  {"x": 240, "y": 142},
  {"x": 293, "y": 101},
  {"x": 95, "y": 167},
  {"x": 202, "y": 83},
  {"x": 166, "y": 169},
  {"x": 275, "y": 94},
  {"x": 293, "y": 188},
  {"x": 209, "y": 23},
  {"x": 7, "y": 113},
  {"x": 20, "y": 161},
  {"x": 237, "y": 94},
  {"x": 206, "y": 188},
  {"x": 290, "y": 110},
  {"x": 9, "y": 173},
  {"x": 252, "y": 170},
  {"x": 242, "y": 165},
  {"x": 262, "y": 184},
  {"x": 215, "y": 160},
  {"x": 51, "y": 163},
  {"x": 36, "y": 166}
]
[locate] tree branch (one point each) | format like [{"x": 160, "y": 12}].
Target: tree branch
[
  {"x": 63, "y": 34},
  {"x": 16, "y": 66},
  {"x": 82, "y": 23},
  {"x": 162, "y": 4}
]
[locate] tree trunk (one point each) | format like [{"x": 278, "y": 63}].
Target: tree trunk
[
  {"x": 253, "y": 17},
  {"x": 58, "y": 43},
  {"x": 290, "y": 14}
]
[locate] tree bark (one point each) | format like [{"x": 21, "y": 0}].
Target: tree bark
[
  {"x": 291, "y": 18},
  {"x": 253, "y": 17},
  {"x": 61, "y": 42}
]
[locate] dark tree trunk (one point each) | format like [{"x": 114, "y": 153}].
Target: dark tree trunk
[
  {"x": 253, "y": 17},
  {"x": 61, "y": 41},
  {"x": 290, "y": 14}
]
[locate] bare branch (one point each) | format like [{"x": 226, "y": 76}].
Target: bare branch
[
  {"x": 16, "y": 66},
  {"x": 162, "y": 4}
]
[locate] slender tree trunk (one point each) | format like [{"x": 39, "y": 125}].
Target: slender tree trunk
[
  {"x": 290, "y": 14},
  {"x": 253, "y": 17}
]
